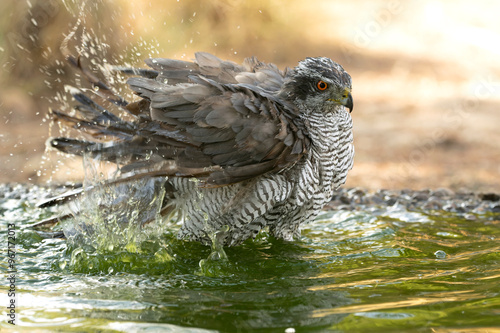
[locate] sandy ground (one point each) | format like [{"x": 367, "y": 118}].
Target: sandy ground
[{"x": 425, "y": 80}]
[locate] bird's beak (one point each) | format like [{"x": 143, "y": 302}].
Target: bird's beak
[{"x": 347, "y": 101}]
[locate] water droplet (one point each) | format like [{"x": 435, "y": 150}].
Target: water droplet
[
  {"x": 162, "y": 255},
  {"x": 440, "y": 254},
  {"x": 62, "y": 264}
]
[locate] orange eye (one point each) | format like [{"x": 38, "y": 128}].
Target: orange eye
[{"x": 322, "y": 85}]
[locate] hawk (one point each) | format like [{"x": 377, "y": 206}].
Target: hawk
[{"x": 267, "y": 147}]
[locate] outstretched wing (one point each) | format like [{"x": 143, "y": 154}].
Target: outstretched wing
[{"x": 211, "y": 119}]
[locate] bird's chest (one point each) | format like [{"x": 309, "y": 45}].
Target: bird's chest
[
  {"x": 332, "y": 149},
  {"x": 313, "y": 184},
  {"x": 329, "y": 158}
]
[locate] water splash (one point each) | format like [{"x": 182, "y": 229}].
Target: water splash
[
  {"x": 217, "y": 263},
  {"x": 117, "y": 216}
]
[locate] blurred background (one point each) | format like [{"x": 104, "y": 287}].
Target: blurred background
[{"x": 425, "y": 74}]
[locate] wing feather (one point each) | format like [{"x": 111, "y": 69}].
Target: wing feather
[{"x": 212, "y": 119}]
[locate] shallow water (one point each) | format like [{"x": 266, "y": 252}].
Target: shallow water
[{"x": 373, "y": 269}]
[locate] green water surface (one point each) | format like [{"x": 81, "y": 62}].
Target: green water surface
[{"x": 371, "y": 270}]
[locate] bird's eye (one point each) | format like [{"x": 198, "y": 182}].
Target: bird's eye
[{"x": 322, "y": 85}]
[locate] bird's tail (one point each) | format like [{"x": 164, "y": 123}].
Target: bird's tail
[{"x": 106, "y": 135}]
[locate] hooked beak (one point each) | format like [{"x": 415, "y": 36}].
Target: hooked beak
[{"x": 348, "y": 102}]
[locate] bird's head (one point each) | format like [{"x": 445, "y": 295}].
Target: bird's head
[{"x": 318, "y": 84}]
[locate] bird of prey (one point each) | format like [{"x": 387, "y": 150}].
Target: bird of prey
[{"x": 266, "y": 147}]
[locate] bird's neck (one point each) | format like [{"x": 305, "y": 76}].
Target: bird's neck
[{"x": 323, "y": 130}]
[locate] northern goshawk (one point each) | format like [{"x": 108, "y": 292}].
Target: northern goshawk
[{"x": 267, "y": 147}]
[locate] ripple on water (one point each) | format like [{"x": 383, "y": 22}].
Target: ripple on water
[{"x": 371, "y": 269}]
